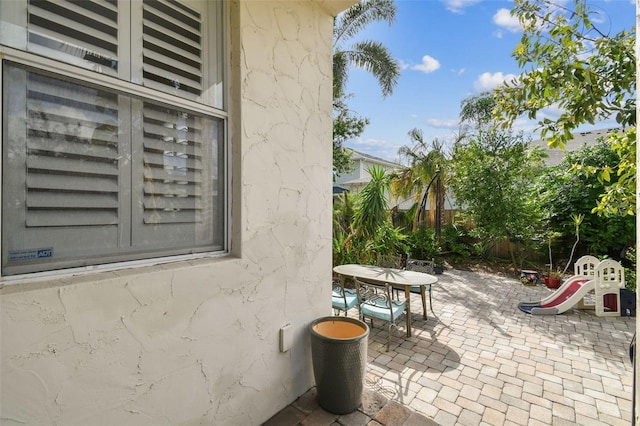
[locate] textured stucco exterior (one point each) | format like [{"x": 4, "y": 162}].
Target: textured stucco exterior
[{"x": 196, "y": 341}]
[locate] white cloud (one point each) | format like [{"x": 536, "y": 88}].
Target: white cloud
[
  {"x": 458, "y": 72},
  {"x": 457, "y": 6},
  {"x": 442, "y": 124},
  {"x": 526, "y": 126},
  {"x": 403, "y": 65},
  {"x": 488, "y": 81},
  {"x": 428, "y": 65},
  {"x": 503, "y": 19},
  {"x": 553, "y": 112}
]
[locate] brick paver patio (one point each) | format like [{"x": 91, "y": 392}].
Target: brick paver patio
[{"x": 486, "y": 362}]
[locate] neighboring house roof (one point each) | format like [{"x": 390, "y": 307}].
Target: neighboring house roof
[
  {"x": 356, "y": 182},
  {"x": 356, "y": 155},
  {"x": 556, "y": 155},
  {"x": 337, "y": 189},
  {"x": 359, "y": 175}
]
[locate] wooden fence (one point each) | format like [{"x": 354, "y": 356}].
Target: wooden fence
[{"x": 499, "y": 250}]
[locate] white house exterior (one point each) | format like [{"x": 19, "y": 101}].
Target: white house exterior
[
  {"x": 580, "y": 139},
  {"x": 142, "y": 336},
  {"x": 359, "y": 175}
]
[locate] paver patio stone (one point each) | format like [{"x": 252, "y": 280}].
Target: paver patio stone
[
  {"x": 563, "y": 411},
  {"x": 393, "y": 414},
  {"x": 608, "y": 408},
  {"x": 536, "y": 400},
  {"x": 469, "y": 418},
  {"x": 600, "y": 396},
  {"x": 559, "y": 421},
  {"x": 580, "y": 397},
  {"x": 515, "y": 402},
  {"x": 357, "y": 418},
  {"x": 552, "y": 387},
  {"x": 543, "y": 414},
  {"x": 512, "y": 390},
  {"x": 288, "y": 416},
  {"x": 473, "y": 406},
  {"x": 584, "y": 420},
  {"x": 372, "y": 402},
  {"x": 587, "y": 410},
  {"x": 417, "y": 420},
  {"x": 427, "y": 395},
  {"x": 308, "y": 402},
  {"x": 533, "y": 387},
  {"x": 486, "y": 362},
  {"x": 319, "y": 417},
  {"x": 448, "y": 384},
  {"x": 517, "y": 415},
  {"x": 446, "y": 419}
]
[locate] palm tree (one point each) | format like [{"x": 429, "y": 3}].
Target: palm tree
[
  {"x": 367, "y": 54},
  {"x": 372, "y": 212},
  {"x": 427, "y": 171}
]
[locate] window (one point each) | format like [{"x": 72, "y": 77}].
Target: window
[{"x": 118, "y": 152}]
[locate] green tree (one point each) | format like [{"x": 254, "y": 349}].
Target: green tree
[
  {"x": 424, "y": 162},
  {"x": 492, "y": 178},
  {"x": 563, "y": 194},
  {"x": 372, "y": 210},
  {"x": 477, "y": 111},
  {"x": 363, "y": 229},
  {"x": 571, "y": 64},
  {"x": 346, "y": 125},
  {"x": 369, "y": 55}
]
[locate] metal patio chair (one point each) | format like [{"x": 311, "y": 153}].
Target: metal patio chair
[{"x": 376, "y": 304}]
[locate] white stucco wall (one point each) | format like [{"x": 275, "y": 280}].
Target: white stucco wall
[{"x": 196, "y": 342}]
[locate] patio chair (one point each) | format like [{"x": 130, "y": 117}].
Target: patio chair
[
  {"x": 342, "y": 299},
  {"x": 426, "y": 266},
  {"x": 376, "y": 304},
  {"x": 390, "y": 261}
]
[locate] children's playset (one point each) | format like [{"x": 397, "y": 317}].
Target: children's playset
[{"x": 596, "y": 285}]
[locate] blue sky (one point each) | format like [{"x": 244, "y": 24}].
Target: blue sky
[{"x": 448, "y": 51}]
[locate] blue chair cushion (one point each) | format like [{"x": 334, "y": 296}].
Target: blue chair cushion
[
  {"x": 416, "y": 288},
  {"x": 381, "y": 311},
  {"x": 337, "y": 301}
]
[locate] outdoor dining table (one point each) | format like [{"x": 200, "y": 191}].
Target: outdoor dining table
[{"x": 398, "y": 278}]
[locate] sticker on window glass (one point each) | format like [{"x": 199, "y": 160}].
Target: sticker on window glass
[{"x": 30, "y": 254}]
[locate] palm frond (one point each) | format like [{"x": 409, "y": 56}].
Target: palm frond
[
  {"x": 375, "y": 58},
  {"x": 373, "y": 210},
  {"x": 358, "y": 16},
  {"x": 340, "y": 73}
]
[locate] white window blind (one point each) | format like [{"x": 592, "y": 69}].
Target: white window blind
[
  {"x": 96, "y": 173},
  {"x": 86, "y": 30},
  {"x": 172, "y": 167},
  {"x": 72, "y": 154},
  {"x": 172, "y": 48}
]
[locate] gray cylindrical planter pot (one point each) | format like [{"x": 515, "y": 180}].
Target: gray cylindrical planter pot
[{"x": 339, "y": 354}]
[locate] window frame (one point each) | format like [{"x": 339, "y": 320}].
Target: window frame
[{"x": 80, "y": 74}]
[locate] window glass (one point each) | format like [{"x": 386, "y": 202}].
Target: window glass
[
  {"x": 166, "y": 45},
  {"x": 91, "y": 175},
  {"x": 95, "y": 174}
]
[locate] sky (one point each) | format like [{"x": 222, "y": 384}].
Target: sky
[{"x": 448, "y": 50}]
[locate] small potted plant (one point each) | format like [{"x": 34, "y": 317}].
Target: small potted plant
[{"x": 553, "y": 279}]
